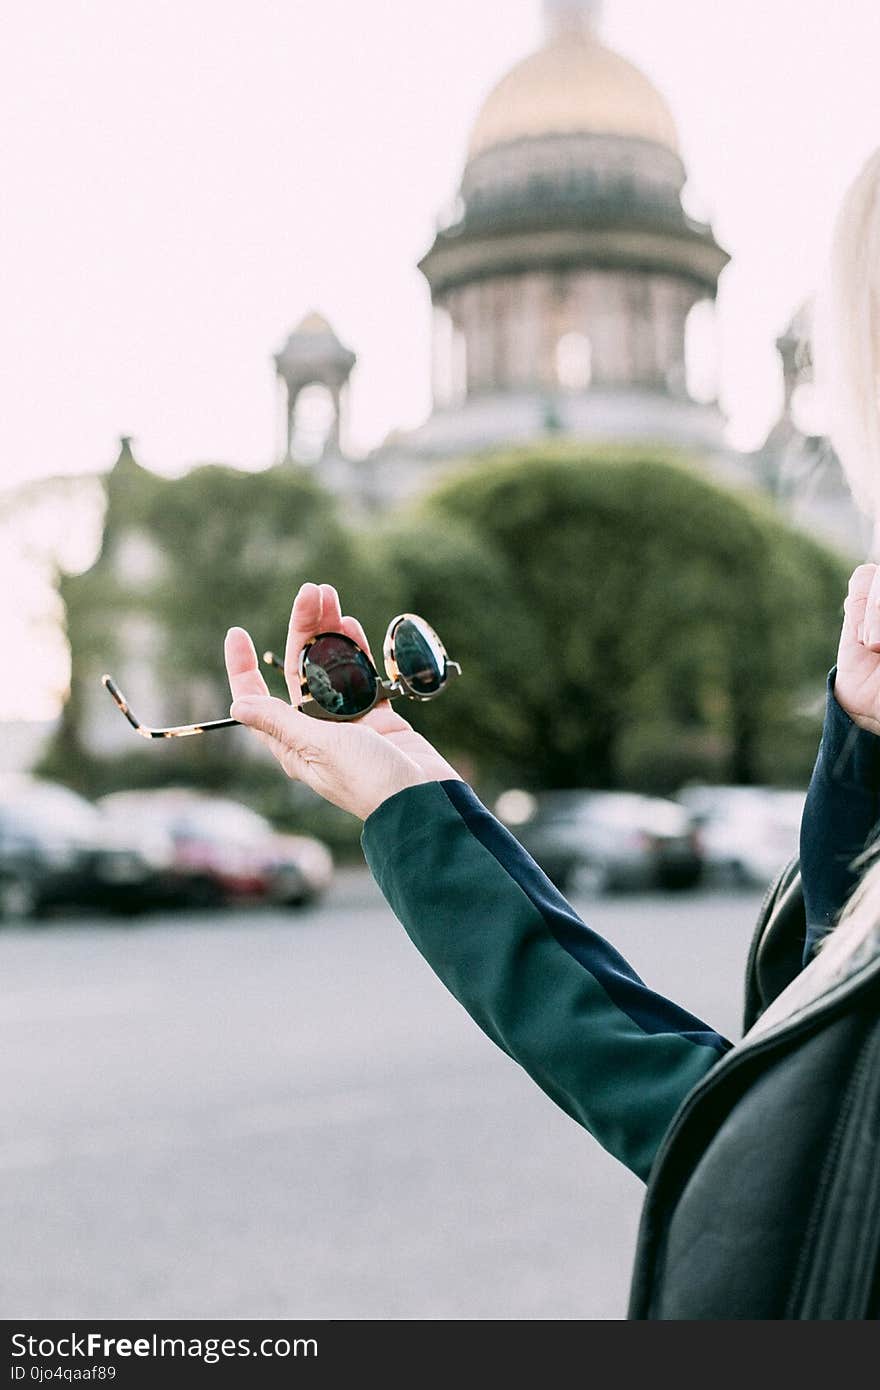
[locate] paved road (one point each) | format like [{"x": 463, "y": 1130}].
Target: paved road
[{"x": 268, "y": 1115}]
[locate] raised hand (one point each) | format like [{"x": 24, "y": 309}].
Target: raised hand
[
  {"x": 354, "y": 765},
  {"x": 857, "y": 684}
]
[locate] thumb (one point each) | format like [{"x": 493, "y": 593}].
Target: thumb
[{"x": 278, "y": 719}]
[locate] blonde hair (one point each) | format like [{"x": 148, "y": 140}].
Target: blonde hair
[
  {"x": 855, "y": 939},
  {"x": 846, "y": 339}
]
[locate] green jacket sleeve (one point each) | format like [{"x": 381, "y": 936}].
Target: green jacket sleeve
[{"x": 554, "y": 995}]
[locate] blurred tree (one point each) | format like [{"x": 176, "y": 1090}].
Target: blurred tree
[
  {"x": 621, "y": 621},
  {"x": 451, "y": 574},
  {"x": 239, "y": 545},
  {"x": 182, "y": 560}
]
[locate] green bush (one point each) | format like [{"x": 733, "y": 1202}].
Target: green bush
[{"x": 641, "y": 622}]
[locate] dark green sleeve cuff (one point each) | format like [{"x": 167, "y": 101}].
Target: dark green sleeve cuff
[{"x": 402, "y": 817}]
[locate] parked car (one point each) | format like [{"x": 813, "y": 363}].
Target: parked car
[
  {"x": 748, "y": 833},
  {"x": 57, "y": 849},
  {"x": 225, "y": 852},
  {"x": 611, "y": 840}
]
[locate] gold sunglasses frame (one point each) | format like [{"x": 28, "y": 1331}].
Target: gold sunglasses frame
[{"x": 392, "y": 688}]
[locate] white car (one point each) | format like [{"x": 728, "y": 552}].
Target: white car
[
  {"x": 605, "y": 840},
  {"x": 747, "y": 833}
]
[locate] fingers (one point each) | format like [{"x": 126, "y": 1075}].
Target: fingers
[
  {"x": 331, "y": 612},
  {"x": 862, "y": 606},
  {"x": 315, "y": 609},
  {"x": 352, "y": 628},
  {"x": 242, "y": 666},
  {"x": 871, "y": 620},
  {"x": 305, "y": 622},
  {"x": 245, "y": 677}
]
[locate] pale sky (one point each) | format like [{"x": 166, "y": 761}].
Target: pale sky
[{"x": 182, "y": 181}]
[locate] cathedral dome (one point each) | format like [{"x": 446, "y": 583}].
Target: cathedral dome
[
  {"x": 568, "y": 256},
  {"x": 574, "y": 85}
]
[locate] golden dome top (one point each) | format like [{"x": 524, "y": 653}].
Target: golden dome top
[
  {"x": 314, "y": 323},
  {"x": 573, "y": 85}
]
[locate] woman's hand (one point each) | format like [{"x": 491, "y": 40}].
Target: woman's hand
[
  {"x": 355, "y": 765},
  {"x": 857, "y": 685}
]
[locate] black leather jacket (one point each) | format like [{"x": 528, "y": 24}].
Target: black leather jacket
[{"x": 764, "y": 1199}]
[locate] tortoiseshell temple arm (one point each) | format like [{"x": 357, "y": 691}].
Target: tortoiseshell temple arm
[
  {"x": 272, "y": 660},
  {"x": 181, "y": 731}
]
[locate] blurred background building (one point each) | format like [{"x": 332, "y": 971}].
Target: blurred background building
[
  {"x": 572, "y": 294},
  {"x": 573, "y": 297}
]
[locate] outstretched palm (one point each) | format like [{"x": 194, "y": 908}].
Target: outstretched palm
[
  {"x": 391, "y": 725},
  {"x": 317, "y": 609}
]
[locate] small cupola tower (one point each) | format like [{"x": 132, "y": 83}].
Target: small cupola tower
[{"x": 314, "y": 368}]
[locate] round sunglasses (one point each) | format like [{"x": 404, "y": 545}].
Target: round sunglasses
[
  {"x": 339, "y": 681},
  {"x": 337, "y": 678}
]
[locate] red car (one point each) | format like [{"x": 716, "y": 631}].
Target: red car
[{"x": 227, "y": 853}]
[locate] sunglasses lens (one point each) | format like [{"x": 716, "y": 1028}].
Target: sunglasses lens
[
  {"x": 419, "y": 656},
  {"x": 340, "y": 677}
]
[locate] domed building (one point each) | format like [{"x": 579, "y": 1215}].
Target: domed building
[
  {"x": 564, "y": 286},
  {"x": 565, "y": 290},
  {"x": 573, "y": 294}
]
